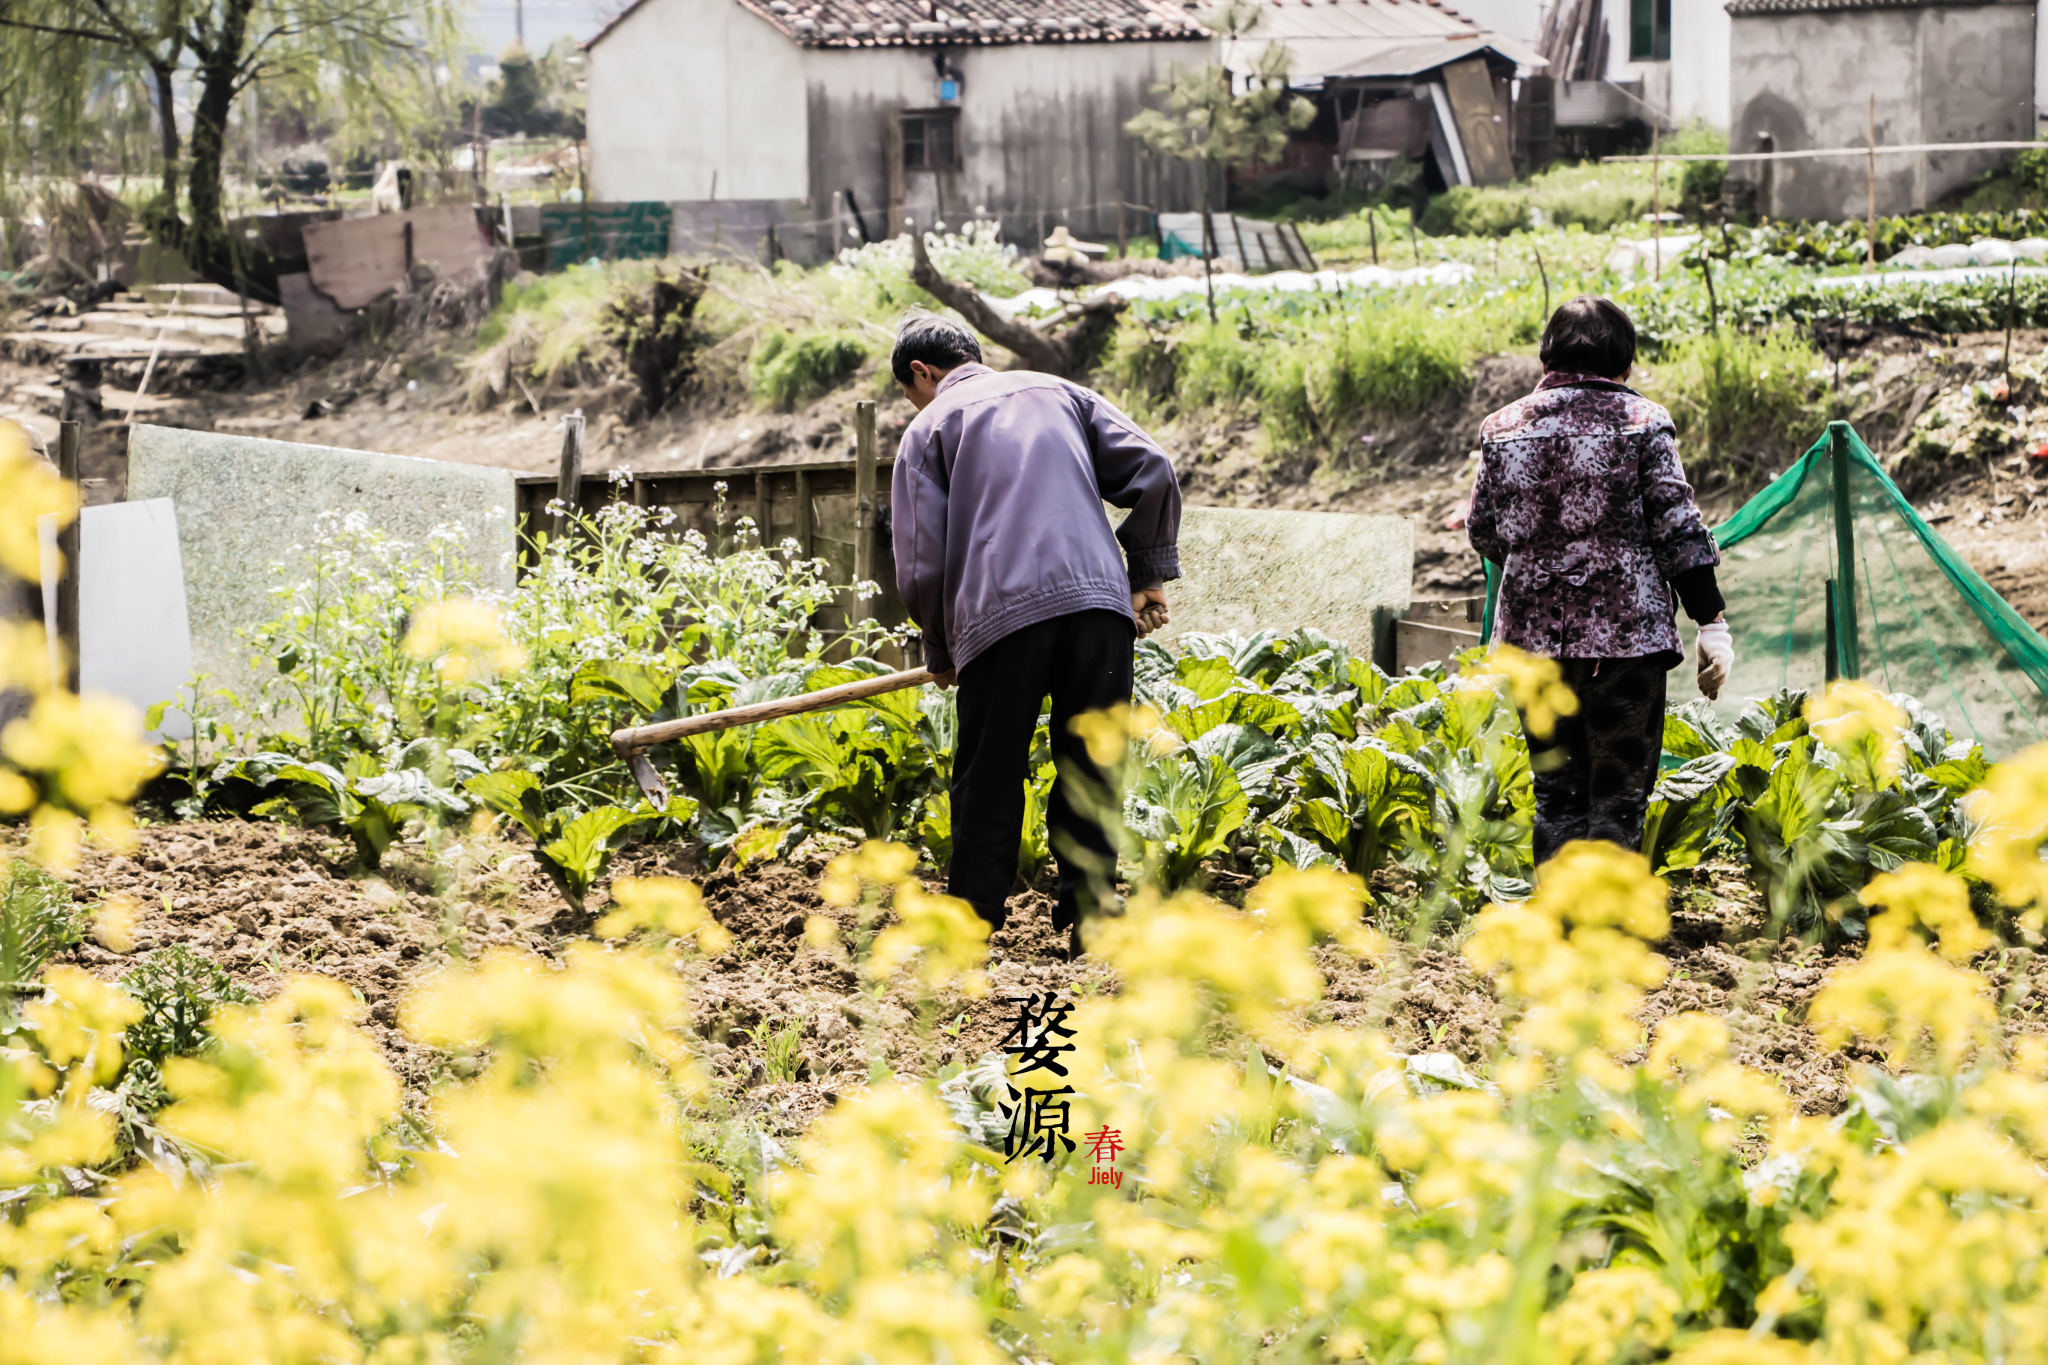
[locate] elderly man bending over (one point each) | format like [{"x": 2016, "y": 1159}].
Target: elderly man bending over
[{"x": 1023, "y": 591}]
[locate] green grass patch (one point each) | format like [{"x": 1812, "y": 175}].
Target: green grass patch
[
  {"x": 1311, "y": 365},
  {"x": 788, "y": 368},
  {"x": 1739, "y": 401}
]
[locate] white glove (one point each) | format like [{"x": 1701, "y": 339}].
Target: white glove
[{"x": 1717, "y": 657}]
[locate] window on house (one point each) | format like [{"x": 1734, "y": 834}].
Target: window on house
[
  {"x": 931, "y": 140},
  {"x": 1649, "y": 31}
]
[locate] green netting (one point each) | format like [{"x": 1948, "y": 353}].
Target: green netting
[{"x": 1829, "y": 572}]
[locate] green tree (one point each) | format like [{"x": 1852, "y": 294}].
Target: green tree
[
  {"x": 1207, "y": 119},
  {"x": 517, "y": 95},
  {"x": 376, "y": 59},
  {"x": 537, "y": 95}
]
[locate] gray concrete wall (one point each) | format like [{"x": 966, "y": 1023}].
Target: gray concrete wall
[
  {"x": 245, "y": 505},
  {"x": 1939, "y": 74}
]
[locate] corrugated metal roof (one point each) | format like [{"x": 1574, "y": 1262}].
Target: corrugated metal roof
[
  {"x": 933, "y": 23},
  {"x": 1744, "y": 7},
  {"x": 1331, "y": 39}
]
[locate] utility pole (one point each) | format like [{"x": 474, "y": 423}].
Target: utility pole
[{"x": 519, "y": 21}]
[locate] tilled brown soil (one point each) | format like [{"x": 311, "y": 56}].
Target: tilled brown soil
[{"x": 266, "y": 902}]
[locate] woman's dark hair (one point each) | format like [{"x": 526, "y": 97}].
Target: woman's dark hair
[
  {"x": 939, "y": 342},
  {"x": 1590, "y": 335}
]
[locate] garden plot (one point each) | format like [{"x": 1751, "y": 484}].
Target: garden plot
[
  {"x": 786, "y": 1028},
  {"x": 728, "y": 1081}
]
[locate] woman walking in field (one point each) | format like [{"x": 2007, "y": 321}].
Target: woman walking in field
[{"x": 1582, "y": 503}]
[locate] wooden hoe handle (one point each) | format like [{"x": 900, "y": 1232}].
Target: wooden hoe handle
[{"x": 632, "y": 744}]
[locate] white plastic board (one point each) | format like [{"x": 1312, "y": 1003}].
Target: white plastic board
[{"x": 135, "y": 640}]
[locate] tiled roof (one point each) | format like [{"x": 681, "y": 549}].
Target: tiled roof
[
  {"x": 1330, "y": 39},
  {"x": 929, "y": 23},
  {"x": 1742, "y": 7}
]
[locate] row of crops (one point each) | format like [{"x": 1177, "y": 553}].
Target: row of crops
[
  {"x": 418, "y": 706},
  {"x": 1286, "y": 1188}
]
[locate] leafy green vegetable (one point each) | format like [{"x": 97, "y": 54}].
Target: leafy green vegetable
[
  {"x": 38, "y": 920},
  {"x": 572, "y": 848},
  {"x": 178, "y": 991}
]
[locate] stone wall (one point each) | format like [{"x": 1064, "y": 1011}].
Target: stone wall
[{"x": 1940, "y": 73}]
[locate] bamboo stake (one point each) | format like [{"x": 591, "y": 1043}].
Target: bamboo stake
[
  {"x": 569, "y": 475},
  {"x": 864, "y": 495},
  {"x": 1870, "y": 185},
  {"x": 2011, "y": 283},
  {"x": 1656, "y": 203}
]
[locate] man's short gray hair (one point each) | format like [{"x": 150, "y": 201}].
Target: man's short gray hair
[{"x": 939, "y": 342}]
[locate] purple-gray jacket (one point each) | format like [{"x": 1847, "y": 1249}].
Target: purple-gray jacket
[
  {"x": 997, "y": 501},
  {"x": 1582, "y": 503}
]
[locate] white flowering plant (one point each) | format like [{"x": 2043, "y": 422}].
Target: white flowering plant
[{"x": 878, "y": 273}]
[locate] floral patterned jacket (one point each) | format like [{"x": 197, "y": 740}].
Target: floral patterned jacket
[{"x": 1582, "y": 502}]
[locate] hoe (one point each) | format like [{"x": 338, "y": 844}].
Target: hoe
[{"x": 633, "y": 744}]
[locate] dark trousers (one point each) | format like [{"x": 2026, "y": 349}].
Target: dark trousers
[
  {"x": 1594, "y": 774},
  {"x": 1081, "y": 661}
]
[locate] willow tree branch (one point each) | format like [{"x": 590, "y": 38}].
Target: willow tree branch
[{"x": 61, "y": 32}]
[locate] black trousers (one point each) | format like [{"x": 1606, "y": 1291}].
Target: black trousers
[
  {"x": 1595, "y": 773},
  {"x": 1081, "y": 661}
]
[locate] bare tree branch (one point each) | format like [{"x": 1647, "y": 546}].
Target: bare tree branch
[{"x": 1065, "y": 355}]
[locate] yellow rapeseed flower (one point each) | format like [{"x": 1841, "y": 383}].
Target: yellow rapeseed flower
[
  {"x": 87, "y": 750},
  {"x": 1609, "y": 1310},
  {"x": 113, "y": 927},
  {"x": 25, "y": 657},
  {"x": 949, "y": 941},
  {"x": 1107, "y": 734},
  {"x": 1689, "y": 1041},
  {"x": 465, "y": 640},
  {"x": 668, "y": 906},
  {"x": 81, "y": 1019},
  {"x": 1535, "y": 684},
  {"x": 1592, "y": 882},
  {"x": 1923, "y": 896},
  {"x": 1317, "y": 903},
  {"x": 1847, "y": 712},
  {"x": 295, "y": 1088},
  {"x": 1732, "y": 1346},
  {"x": 1908, "y": 1000},
  {"x": 29, "y": 490},
  {"x": 2011, "y": 813},
  {"x": 876, "y": 865}
]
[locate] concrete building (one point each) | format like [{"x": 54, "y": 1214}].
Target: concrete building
[
  {"x": 834, "y": 120},
  {"x": 1806, "y": 73},
  {"x": 1392, "y": 79},
  {"x": 1624, "y": 61},
  {"x": 893, "y": 107}
]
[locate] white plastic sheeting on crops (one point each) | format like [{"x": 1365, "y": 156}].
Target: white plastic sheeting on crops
[
  {"x": 1878, "y": 279},
  {"x": 1656, "y": 252},
  {"x": 1147, "y": 289},
  {"x": 1983, "y": 251}
]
